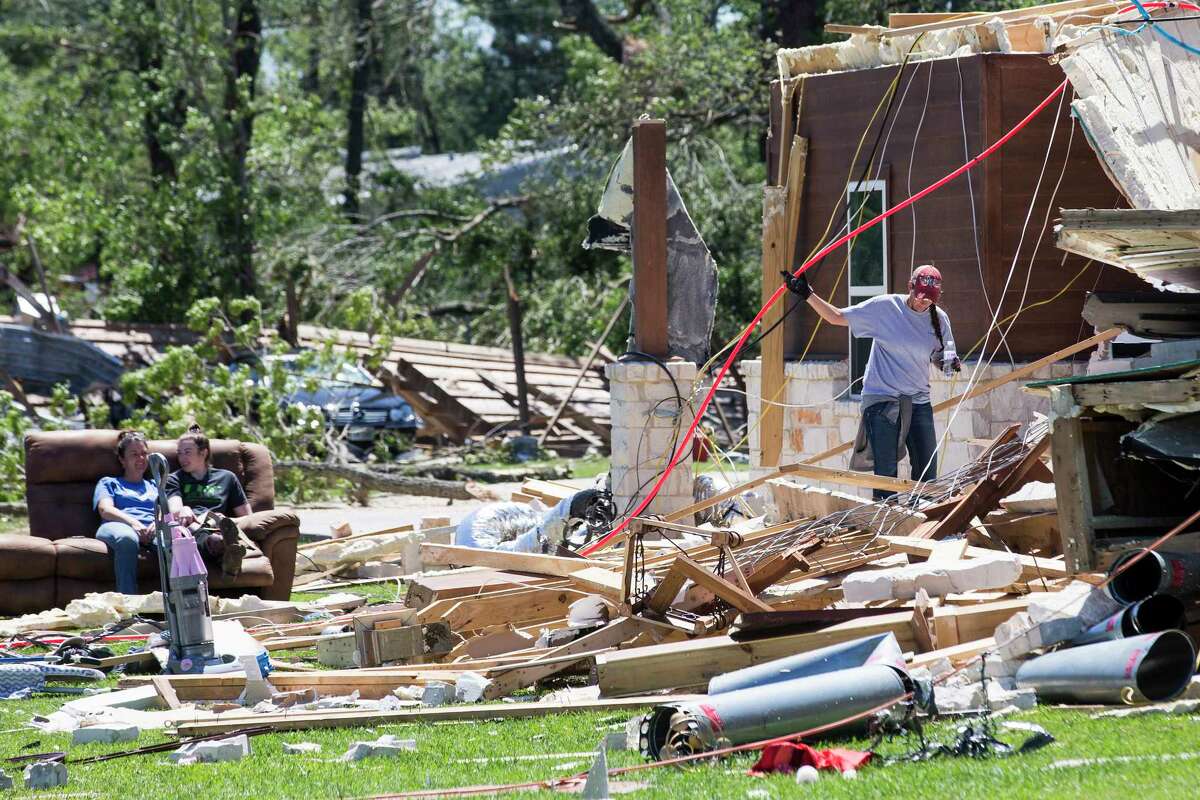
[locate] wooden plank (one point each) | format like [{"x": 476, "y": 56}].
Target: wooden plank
[
  {"x": 536, "y": 563},
  {"x": 983, "y": 388},
  {"x": 533, "y": 606},
  {"x": 849, "y": 478},
  {"x": 1072, "y": 483},
  {"x": 664, "y": 593},
  {"x": 957, "y": 655},
  {"x": 732, "y": 594},
  {"x": 166, "y": 691},
  {"x": 1011, "y": 15},
  {"x": 599, "y": 580},
  {"x": 774, "y": 259},
  {"x": 1181, "y": 390},
  {"x": 310, "y": 720},
  {"x": 692, "y": 664},
  {"x": 649, "y": 233},
  {"x": 688, "y": 511},
  {"x": 509, "y": 680}
]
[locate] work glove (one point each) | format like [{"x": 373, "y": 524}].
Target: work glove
[{"x": 797, "y": 284}]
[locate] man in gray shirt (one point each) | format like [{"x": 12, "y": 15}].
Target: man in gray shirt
[{"x": 908, "y": 333}]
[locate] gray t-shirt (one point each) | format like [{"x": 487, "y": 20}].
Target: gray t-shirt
[{"x": 903, "y": 344}]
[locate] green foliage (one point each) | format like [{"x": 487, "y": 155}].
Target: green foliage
[{"x": 196, "y": 384}]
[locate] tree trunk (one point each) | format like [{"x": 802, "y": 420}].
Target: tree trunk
[
  {"x": 310, "y": 81},
  {"x": 518, "y": 348},
  {"x": 239, "y": 119},
  {"x": 586, "y": 19},
  {"x": 369, "y": 479},
  {"x": 358, "y": 105}
]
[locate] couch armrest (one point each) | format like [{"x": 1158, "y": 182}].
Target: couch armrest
[
  {"x": 276, "y": 533},
  {"x": 259, "y": 525}
]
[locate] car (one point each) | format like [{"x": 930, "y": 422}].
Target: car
[{"x": 351, "y": 399}]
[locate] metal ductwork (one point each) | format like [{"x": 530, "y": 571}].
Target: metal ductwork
[
  {"x": 771, "y": 710},
  {"x": 879, "y": 649},
  {"x": 1157, "y": 572},
  {"x": 1162, "y": 612},
  {"x": 1151, "y": 667}
]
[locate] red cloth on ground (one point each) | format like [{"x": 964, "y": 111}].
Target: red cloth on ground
[{"x": 790, "y": 756}]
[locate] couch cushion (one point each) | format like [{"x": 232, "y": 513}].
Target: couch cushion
[
  {"x": 86, "y": 559},
  {"x": 26, "y": 558},
  {"x": 26, "y": 597}
]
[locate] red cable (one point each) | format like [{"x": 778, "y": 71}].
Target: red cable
[{"x": 685, "y": 445}]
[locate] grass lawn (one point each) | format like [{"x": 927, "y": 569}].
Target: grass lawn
[
  {"x": 480, "y": 752},
  {"x": 484, "y": 752}
]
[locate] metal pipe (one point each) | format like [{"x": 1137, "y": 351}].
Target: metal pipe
[
  {"x": 1150, "y": 667},
  {"x": 770, "y": 710},
  {"x": 1155, "y": 573},
  {"x": 1162, "y": 612},
  {"x": 881, "y": 648}
]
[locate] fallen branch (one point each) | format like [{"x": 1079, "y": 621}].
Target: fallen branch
[{"x": 365, "y": 479}]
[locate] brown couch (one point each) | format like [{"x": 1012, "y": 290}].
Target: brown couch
[{"x": 62, "y": 560}]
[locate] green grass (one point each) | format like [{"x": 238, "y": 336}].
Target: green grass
[
  {"x": 441, "y": 761},
  {"x": 447, "y": 754}
]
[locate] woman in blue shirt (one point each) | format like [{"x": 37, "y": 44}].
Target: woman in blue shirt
[{"x": 126, "y": 504}]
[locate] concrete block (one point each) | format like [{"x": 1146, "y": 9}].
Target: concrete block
[
  {"x": 45, "y": 775},
  {"x": 108, "y": 734},
  {"x": 952, "y": 699},
  {"x": 234, "y": 748},
  {"x": 902, "y": 583},
  {"x": 301, "y": 748},
  {"x": 384, "y": 747},
  {"x": 1078, "y": 599},
  {"x": 999, "y": 697},
  {"x": 437, "y": 693}
]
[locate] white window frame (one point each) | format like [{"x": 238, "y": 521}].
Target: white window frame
[{"x": 858, "y": 293}]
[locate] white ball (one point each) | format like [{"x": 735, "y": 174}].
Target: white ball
[
  {"x": 807, "y": 774},
  {"x": 850, "y": 774}
]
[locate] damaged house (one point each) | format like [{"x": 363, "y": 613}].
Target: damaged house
[{"x": 884, "y": 115}]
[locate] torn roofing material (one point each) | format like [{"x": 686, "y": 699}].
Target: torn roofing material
[
  {"x": 1160, "y": 246},
  {"x": 1138, "y": 99},
  {"x": 691, "y": 270}
]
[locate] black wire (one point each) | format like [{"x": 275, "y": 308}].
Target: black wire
[{"x": 679, "y": 405}]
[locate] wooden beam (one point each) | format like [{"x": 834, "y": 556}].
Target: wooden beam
[
  {"x": 649, "y": 234},
  {"x": 664, "y": 593},
  {"x": 1011, "y": 15},
  {"x": 849, "y": 478},
  {"x": 471, "y": 614},
  {"x": 166, "y": 692},
  {"x": 1182, "y": 390},
  {"x": 538, "y": 564},
  {"x": 688, "y": 511},
  {"x": 310, "y": 720},
  {"x": 849, "y": 30},
  {"x": 984, "y": 388},
  {"x": 775, "y": 258},
  {"x": 735, "y": 595}
]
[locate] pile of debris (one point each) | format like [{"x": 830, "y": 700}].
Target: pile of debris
[{"x": 862, "y": 613}]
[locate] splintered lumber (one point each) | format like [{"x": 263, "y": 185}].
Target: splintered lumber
[
  {"x": 690, "y": 665},
  {"x": 849, "y": 478},
  {"x": 820, "y": 556},
  {"x": 985, "y": 495},
  {"x": 1032, "y": 567},
  {"x": 507, "y": 680},
  {"x": 957, "y": 655},
  {"x": 533, "y": 605},
  {"x": 732, "y": 594},
  {"x": 308, "y": 720},
  {"x": 463, "y": 583}
]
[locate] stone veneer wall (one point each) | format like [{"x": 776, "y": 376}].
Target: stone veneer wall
[
  {"x": 824, "y": 423},
  {"x": 641, "y": 437}
]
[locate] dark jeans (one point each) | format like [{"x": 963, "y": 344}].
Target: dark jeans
[{"x": 885, "y": 442}]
